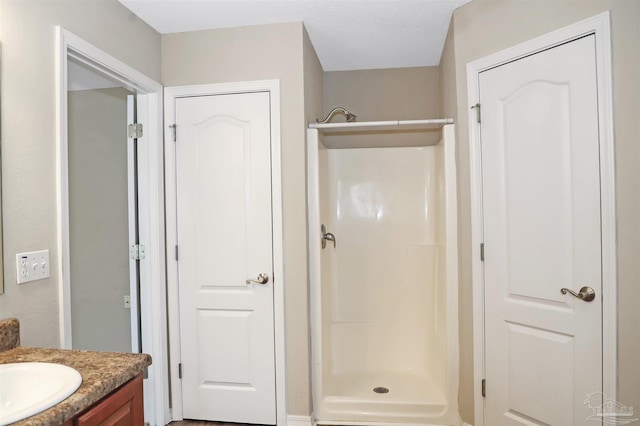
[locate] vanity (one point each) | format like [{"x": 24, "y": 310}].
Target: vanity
[{"x": 111, "y": 388}]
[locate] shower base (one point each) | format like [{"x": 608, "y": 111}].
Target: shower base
[
  {"x": 405, "y": 387},
  {"x": 412, "y": 398}
]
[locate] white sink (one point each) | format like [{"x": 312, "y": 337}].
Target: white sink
[{"x": 28, "y": 388}]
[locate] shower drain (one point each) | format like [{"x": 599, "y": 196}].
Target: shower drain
[{"x": 381, "y": 389}]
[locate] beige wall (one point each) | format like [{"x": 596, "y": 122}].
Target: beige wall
[
  {"x": 448, "y": 102},
  {"x": 27, "y": 35},
  {"x": 258, "y": 53},
  {"x": 447, "y": 69},
  {"x": 385, "y": 94},
  {"x": 483, "y": 27},
  {"x": 313, "y": 78},
  {"x": 313, "y": 82}
]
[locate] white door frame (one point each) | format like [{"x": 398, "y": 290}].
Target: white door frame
[
  {"x": 600, "y": 26},
  {"x": 151, "y": 205},
  {"x": 170, "y": 95}
]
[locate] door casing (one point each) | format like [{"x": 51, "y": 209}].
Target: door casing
[
  {"x": 600, "y": 26},
  {"x": 151, "y": 205},
  {"x": 170, "y": 94}
]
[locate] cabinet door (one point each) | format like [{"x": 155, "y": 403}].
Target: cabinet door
[{"x": 124, "y": 407}]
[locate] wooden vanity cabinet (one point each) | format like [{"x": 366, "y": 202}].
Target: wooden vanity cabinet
[{"x": 123, "y": 407}]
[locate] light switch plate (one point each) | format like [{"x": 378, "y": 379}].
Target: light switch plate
[{"x": 33, "y": 265}]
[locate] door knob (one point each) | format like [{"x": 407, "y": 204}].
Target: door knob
[
  {"x": 262, "y": 279},
  {"x": 586, "y": 293}
]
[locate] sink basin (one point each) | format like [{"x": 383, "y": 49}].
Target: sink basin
[{"x": 28, "y": 388}]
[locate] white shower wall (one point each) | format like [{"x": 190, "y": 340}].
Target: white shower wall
[
  {"x": 383, "y": 303},
  {"x": 381, "y": 290}
]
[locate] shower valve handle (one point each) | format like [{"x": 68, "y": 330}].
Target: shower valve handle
[
  {"x": 330, "y": 237},
  {"x": 326, "y": 236}
]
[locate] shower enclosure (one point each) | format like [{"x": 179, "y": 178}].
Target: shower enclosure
[{"x": 384, "y": 287}]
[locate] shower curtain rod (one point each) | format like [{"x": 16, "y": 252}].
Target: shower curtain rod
[{"x": 360, "y": 124}]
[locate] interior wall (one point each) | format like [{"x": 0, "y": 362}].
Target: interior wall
[
  {"x": 313, "y": 96},
  {"x": 99, "y": 219},
  {"x": 448, "y": 105},
  {"x": 447, "y": 71},
  {"x": 313, "y": 81},
  {"x": 384, "y": 94},
  {"x": 512, "y": 22},
  {"x": 257, "y": 53},
  {"x": 29, "y": 174}
]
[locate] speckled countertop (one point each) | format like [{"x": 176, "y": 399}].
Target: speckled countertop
[
  {"x": 102, "y": 373},
  {"x": 9, "y": 334}
]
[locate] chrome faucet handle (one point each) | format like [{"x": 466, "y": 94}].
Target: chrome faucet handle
[
  {"x": 330, "y": 237},
  {"x": 326, "y": 236}
]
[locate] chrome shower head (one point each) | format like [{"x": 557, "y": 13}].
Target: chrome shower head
[{"x": 350, "y": 117}]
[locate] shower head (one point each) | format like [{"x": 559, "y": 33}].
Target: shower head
[{"x": 350, "y": 117}]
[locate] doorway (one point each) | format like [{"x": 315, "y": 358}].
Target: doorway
[
  {"x": 102, "y": 214},
  {"x": 224, "y": 223},
  {"x": 149, "y": 335},
  {"x": 543, "y": 221}
]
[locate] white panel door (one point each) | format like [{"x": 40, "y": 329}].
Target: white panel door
[
  {"x": 541, "y": 196},
  {"x": 223, "y": 172}
]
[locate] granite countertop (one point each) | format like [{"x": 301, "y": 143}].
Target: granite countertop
[
  {"x": 9, "y": 334},
  {"x": 102, "y": 373}
]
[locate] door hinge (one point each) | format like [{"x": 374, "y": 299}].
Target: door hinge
[
  {"x": 173, "y": 132},
  {"x": 477, "y": 108},
  {"x": 137, "y": 252},
  {"x": 180, "y": 371},
  {"x": 482, "y": 252},
  {"x": 134, "y": 130},
  {"x": 176, "y": 253},
  {"x": 484, "y": 387}
]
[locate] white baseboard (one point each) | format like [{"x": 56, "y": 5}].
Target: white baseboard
[{"x": 299, "y": 421}]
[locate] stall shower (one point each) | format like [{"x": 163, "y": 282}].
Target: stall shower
[{"x": 383, "y": 259}]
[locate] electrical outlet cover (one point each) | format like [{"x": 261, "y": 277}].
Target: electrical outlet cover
[{"x": 32, "y": 266}]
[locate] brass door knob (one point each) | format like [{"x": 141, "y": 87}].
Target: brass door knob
[
  {"x": 586, "y": 293},
  {"x": 262, "y": 279}
]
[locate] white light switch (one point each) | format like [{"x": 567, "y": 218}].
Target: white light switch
[{"x": 32, "y": 266}]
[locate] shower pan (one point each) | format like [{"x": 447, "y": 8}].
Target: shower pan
[{"x": 384, "y": 298}]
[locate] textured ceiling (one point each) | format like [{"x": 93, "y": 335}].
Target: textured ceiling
[{"x": 347, "y": 34}]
